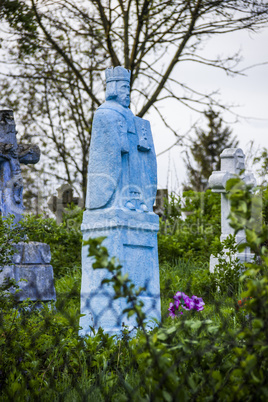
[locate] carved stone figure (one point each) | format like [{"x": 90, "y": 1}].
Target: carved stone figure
[
  {"x": 11, "y": 156},
  {"x": 121, "y": 190},
  {"x": 122, "y": 163},
  {"x": 31, "y": 261}
]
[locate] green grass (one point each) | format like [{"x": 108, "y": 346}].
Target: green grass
[{"x": 185, "y": 276}]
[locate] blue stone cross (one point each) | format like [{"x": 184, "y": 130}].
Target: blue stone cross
[{"x": 12, "y": 155}]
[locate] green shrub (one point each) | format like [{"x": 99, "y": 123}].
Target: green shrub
[
  {"x": 217, "y": 354},
  {"x": 9, "y": 234},
  {"x": 190, "y": 237},
  {"x": 197, "y": 359},
  {"x": 228, "y": 270},
  {"x": 65, "y": 240}
]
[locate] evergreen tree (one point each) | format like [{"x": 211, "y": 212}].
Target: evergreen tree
[{"x": 205, "y": 151}]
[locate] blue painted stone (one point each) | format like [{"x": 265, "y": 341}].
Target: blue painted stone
[
  {"x": 30, "y": 264},
  {"x": 11, "y": 156},
  {"x": 121, "y": 190},
  {"x": 31, "y": 269}
]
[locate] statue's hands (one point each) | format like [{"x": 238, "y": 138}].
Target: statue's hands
[
  {"x": 28, "y": 153},
  {"x": 143, "y": 145},
  {"x": 124, "y": 150}
]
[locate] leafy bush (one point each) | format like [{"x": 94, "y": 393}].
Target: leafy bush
[
  {"x": 9, "y": 234},
  {"x": 228, "y": 270},
  {"x": 65, "y": 240},
  {"x": 219, "y": 353},
  {"x": 190, "y": 237},
  {"x": 194, "y": 359}
]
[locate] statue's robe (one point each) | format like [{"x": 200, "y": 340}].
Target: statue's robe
[{"x": 122, "y": 159}]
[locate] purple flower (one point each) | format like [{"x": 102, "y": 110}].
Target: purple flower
[
  {"x": 172, "y": 310},
  {"x": 179, "y": 298},
  {"x": 180, "y": 295},
  {"x": 177, "y": 304},
  {"x": 185, "y": 301},
  {"x": 188, "y": 304},
  {"x": 198, "y": 303}
]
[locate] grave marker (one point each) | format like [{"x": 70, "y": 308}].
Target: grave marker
[
  {"x": 57, "y": 204},
  {"x": 31, "y": 261},
  {"x": 121, "y": 190},
  {"x": 232, "y": 164}
]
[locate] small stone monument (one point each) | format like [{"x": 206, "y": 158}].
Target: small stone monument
[
  {"x": 232, "y": 163},
  {"x": 31, "y": 260},
  {"x": 161, "y": 197},
  {"x": 121, "y": 190},
  {"x": 57, "y": 204}
]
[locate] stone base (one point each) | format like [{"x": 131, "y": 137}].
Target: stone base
[
  {"x": 132, "y": 238},
  {"x": 31, "y": 270}
]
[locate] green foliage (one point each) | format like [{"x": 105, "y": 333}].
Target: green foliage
[
  {"x": 262, "y": 159},
  {"x": 9, "y": 235},
  {"x": 265, "y": 204},
  {"x": 218, "y": 354},
  {"x": 193, "y": 276},
  {"x": 65, "y": 240},
  {"x": 228, "y": 270},
  {"x": 188, "y": 276},
  {"x": 190, "y": 237},
  {"x": 203, "y": 359}
]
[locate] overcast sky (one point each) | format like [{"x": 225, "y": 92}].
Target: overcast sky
[{"x": 249, "y": 92}]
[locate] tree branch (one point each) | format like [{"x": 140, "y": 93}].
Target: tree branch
[
  {"x": 64, "y": 55},
  {"x": 173, "y": 62}
]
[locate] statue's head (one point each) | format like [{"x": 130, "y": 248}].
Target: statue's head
[{"x": 117, "y": 85}]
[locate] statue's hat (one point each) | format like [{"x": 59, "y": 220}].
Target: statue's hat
[{"x": 117, "y": 74}]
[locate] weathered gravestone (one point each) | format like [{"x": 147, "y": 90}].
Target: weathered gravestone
[
  {"x": 232, "y": 164},
  {"x": 31, "y": 260},
  {"x": 161, "y": 198},
  {"x": 58, "y": 204},
  {"x": 121, "y": 189}
]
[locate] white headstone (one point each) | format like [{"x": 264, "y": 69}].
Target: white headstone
[{"x": 232, "y": 164}]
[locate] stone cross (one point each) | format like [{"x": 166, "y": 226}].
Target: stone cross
[
  {"x": 57, "y": 204},
  {"x": 12, "y": 155},
  {"x": 232, "y": 164},
  {"x": 30, "y": 265}
]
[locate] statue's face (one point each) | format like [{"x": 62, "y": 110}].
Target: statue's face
[{"x": 123, "y": 93}]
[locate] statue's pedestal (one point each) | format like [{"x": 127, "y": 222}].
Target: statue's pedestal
[
  {"x": 32, "y": 271},
  {"x": 132, "y": 238}
]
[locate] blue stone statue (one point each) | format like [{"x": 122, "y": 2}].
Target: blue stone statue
[
  {"x": 123, "y": 173},
  {"x": 121, "y": 190}
]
